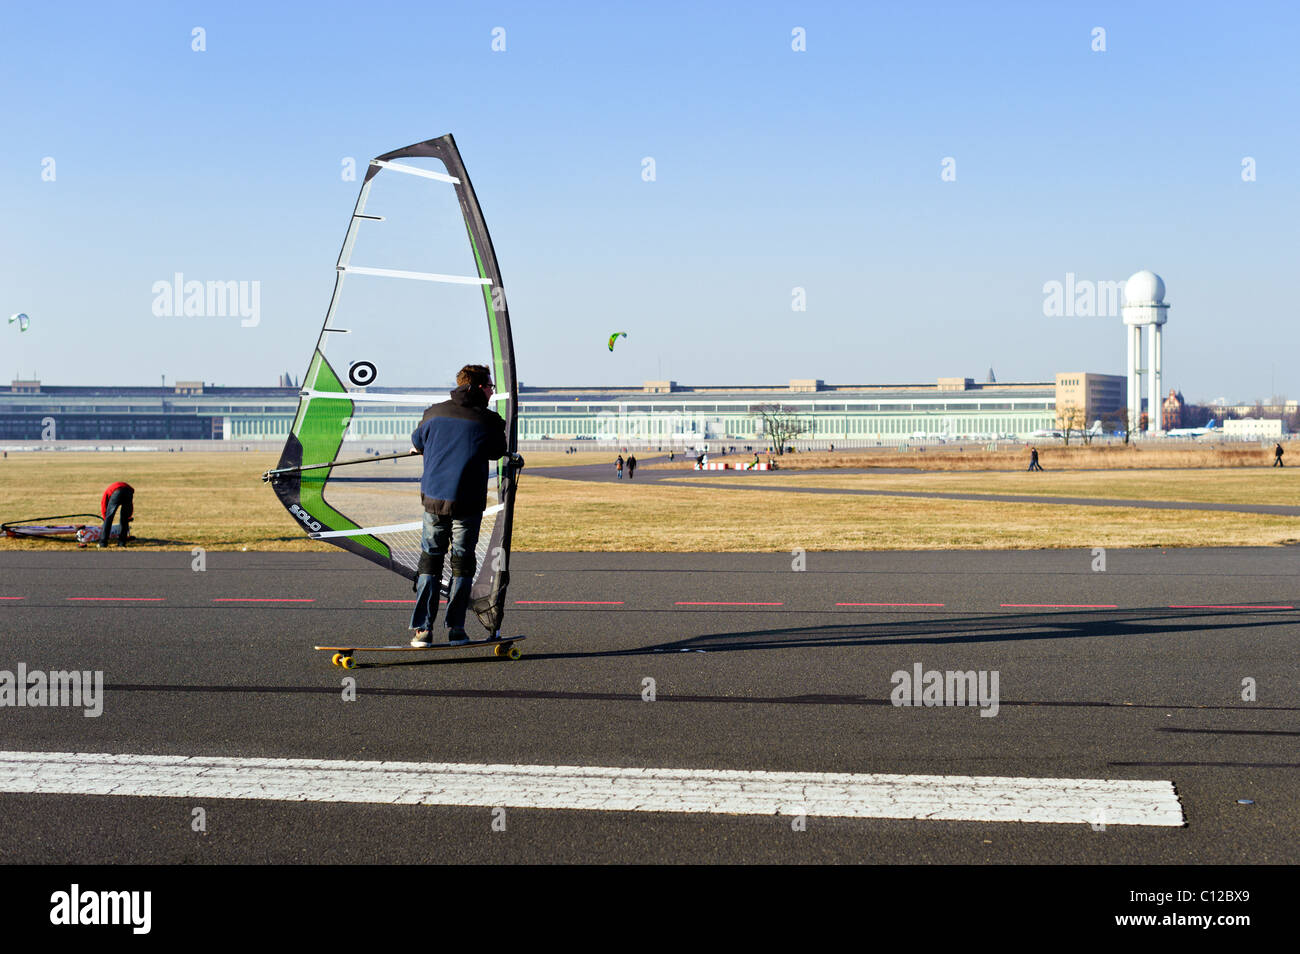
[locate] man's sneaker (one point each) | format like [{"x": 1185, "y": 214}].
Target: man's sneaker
[
  {"x": 457, "y": 637},
  {"x": 422, "y": 639}
]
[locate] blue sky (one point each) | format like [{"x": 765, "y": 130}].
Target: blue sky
[{"x": 775, "y": 169}]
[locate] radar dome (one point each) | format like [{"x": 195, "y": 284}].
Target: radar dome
[{"x": 1146, "y": 287}]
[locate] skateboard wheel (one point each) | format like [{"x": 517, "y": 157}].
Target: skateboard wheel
[
  {"x": 346, "y": 662},
  {"x": 335, "y": 659},
  {"x": 499, "y": 650},
  {"x": 514, "y": 653}
]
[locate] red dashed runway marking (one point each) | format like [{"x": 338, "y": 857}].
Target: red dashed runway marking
[
  {"x": 889, "y": 604},
  {"x": 133, "y": 599},
  {"x": 716, "y": 603},
  {"x": 1059, "y": 605},
  {"x": 568, "y": 602},
  {"x": 12, "y": 597},
  {"x": 261, "y": 599},
  {"x": 258, "y": 599}
]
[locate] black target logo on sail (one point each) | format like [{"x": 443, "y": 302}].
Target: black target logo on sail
[{"x": 362, "y": 373}]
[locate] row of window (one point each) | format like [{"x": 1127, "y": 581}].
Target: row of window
[
  {"x": 140, "y": 409},
  {"x": 819, "y": 408},
  {"x": 393, "y": 427},
  {"x": 535, "y": 428}
]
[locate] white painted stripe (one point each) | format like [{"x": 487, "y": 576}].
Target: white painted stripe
[
  {"x": 418, "y": 276},
  {"x": 378, "y": 397},
  {"x": 598, "y": 788},
  {"x": 413, "y": 171},
  {"x": 391, "y": 528}
]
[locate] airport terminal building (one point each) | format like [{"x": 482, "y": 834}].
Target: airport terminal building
[{"x": 657, "y": 412}]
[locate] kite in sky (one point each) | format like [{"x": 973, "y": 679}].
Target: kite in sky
[
  {"x": 22, "y": 320},
  {"x": 614, "y": 337}
]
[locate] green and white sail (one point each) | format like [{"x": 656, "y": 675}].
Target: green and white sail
[{"x": 415, "y": 277}]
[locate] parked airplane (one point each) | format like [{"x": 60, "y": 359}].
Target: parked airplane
[
  {"x": 1192, "y": 431},
  {"x": 1094, "y": 431}
]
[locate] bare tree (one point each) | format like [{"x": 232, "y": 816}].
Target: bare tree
[
  {"x": 781, "y": 423},
  {"x": 1119, "y": 420},
  {"x": 1071, "y": 420}
]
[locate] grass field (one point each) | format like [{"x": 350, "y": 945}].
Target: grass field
[
  {"x": 218, "y": 501},
  {"x": 1052, "y": 455},
  {"x": 1226, "y": 485}
]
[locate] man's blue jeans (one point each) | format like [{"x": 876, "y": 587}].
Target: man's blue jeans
[
  {"x": 116, "y": 500},
  {"x": 440, "y": 533}
]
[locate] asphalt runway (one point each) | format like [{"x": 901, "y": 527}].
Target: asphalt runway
[{"x": 1131, "y": 673}]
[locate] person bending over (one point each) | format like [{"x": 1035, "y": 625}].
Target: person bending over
[{"x": 118, "y": 498}]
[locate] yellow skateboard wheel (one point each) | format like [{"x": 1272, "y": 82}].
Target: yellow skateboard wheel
[
  {"x": 346, "y": 662},
  {"x": 514, "y": 653},
  {"x": 335, "y": 659},
  {"x": 499, "y": 650}
]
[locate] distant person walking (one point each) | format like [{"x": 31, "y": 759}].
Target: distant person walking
[
  {"x": 631, "y": 466},
  {"x": 618, "y": 466},
  {"x": 1033, "y": 459},
  {"x": 1277, "y": 455},
  {"x": 118, "y": 497}
]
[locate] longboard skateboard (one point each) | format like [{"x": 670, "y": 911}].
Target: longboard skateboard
[{"x": 343, "y": 654}]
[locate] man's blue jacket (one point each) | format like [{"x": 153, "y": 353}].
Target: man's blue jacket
[{"x": 458, "y": 439}]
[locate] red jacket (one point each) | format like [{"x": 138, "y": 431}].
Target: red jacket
[{"x": 128, "y": 508}]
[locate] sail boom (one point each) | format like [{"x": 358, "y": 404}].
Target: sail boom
[
  {"x": 391, "y": 528},
  {"x": 377, "y": 398}
]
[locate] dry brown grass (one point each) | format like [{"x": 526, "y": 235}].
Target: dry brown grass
[
  {"x": 1116, "y": 456},
  {"x": 213, "y": 500},
  {"x": 559, "y": 459},
  {"x": 686, "y": 517},
  {"x": 1228, "y": 485},
  {"x": 218, "y": 501}
]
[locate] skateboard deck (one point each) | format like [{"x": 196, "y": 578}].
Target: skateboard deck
[{"x": 343, "y": 654}]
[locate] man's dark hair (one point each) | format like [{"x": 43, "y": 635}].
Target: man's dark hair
[{"x": 474, "y": 375}]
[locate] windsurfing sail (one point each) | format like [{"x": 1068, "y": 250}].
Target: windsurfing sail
[
  {"x": 65, "y": 526},
  {"x": 415, "y": 275}
]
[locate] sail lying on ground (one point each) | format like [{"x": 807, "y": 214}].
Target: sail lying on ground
[
  {"x": 414, "y": 278},
  {"x": 67, "y": 526}
]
